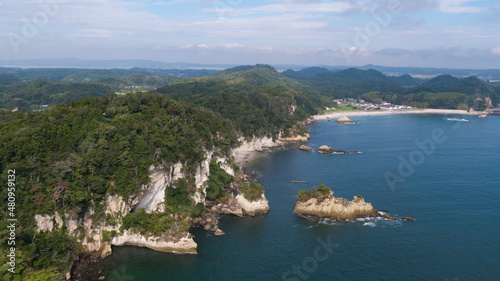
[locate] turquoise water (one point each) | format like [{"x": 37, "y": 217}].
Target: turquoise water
[{"x": 454, "y": 193}]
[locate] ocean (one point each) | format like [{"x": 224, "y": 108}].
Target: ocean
[{"x": 444, "y": 173}]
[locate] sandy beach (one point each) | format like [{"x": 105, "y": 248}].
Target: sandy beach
[{"x": 334, "y": 115}]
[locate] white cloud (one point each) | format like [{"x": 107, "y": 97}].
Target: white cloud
[
  {"x": 96, "y": 33},
  {"x": 459, "y": 6},
  {"x": 496, "y": 51},
  {"x": 289, "y": 7}
]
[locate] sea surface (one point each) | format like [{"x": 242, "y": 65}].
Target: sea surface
[{"x": 452, "y": 190}]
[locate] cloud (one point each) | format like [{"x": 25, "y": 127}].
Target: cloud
[
  {"x": 287, "y": 7},
  {"x": 496, "y": 51},
  {"x": 96, "y": 33},
  {"x": 459, "y": 6}
]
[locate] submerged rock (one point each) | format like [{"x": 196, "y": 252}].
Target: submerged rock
[
  {"x": 407, "y": 219},
  {"x": 219, "y": 232},
  {"x": 305, "y": 148}
]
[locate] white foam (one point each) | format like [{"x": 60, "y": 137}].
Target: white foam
[
  {"x": 457, "y": 119},
  {"x": 372, "y": 224}
]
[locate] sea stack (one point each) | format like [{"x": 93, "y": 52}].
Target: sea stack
[
  {"x": 321, "y": 203},
  {"x": 345, "y": 120}
]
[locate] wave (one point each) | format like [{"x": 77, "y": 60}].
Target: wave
[
  {"x": 457, "y": 119},
  {"x": 371, "y": 224}
]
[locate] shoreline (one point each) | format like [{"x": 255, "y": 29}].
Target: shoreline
[{"x": 391, "y": 112}]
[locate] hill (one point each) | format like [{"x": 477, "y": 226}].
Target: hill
[
  {"x": 352, "y": 82},
  {"x": 259, "y": 99},
  {"x": 30, "y": 95}
]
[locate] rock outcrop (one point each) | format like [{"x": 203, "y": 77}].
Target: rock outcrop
[
  {"x": 305, "y": 148},
  {"x": 246, "y": 150},
  {"x": 327, "y": 149},
  {"x": 229, "y": 207},
  {"x": 295, "y": 138},
  {"x": 345, "y": 120},
  {"x": 185, "y": 244},
  {"x": 339, "y": 209},
  {"x": 253, "y": 208},
  {"x": 240, "y": 206}
]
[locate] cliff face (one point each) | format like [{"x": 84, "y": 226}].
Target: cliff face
[
  {"x": 93, "y": 240},
  {"x": 185, "y": 244},
  {"x": 244, "y": 152},
  {"x": 253, "y": 208},
  {"x": 336, "y": 208}
]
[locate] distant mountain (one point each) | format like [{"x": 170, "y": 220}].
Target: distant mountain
[
  {"x": 448, "y": 83},
  {"x": 352, "y": 82},
  {"x": 107, "y": 64},
  {"x": 305, "y": 73},
  {"x": 473, "y": 88},
  {"x": 484, "y": 74},
  {"x": 32, "y": 94},
  {"x": 80, "y": 75}
]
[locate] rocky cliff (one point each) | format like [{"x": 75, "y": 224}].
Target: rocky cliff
[
  {"x": 94, "y": 242},
  {"x": 90, "y": 229}
]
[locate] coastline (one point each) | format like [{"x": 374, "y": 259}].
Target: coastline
[{"x": 390, "y": 112}]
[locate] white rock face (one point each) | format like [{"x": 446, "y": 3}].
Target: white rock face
[
  {"x": 253, "y": 208},
  {"x": 244, "y": 152},
  {"x": 184, "y": 245},
  {"x": 116, "y": 205},
  {"x": 44, "y": 223},
  {"x": 201, "y": 178},
  {"x": 154, "y": 196},
  {"x": 296, "y": 138}
]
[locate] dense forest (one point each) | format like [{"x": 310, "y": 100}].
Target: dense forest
[
  {"x": 72, "y": 155},
  {"x": 260, "y": 100}
]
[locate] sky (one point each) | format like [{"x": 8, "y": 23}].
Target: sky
[{"x": 422, "y": 33}]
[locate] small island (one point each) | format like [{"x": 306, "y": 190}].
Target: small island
[{"x": 319, "y": 202}]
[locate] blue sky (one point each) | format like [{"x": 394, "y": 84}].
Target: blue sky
[{"x": 428, "y": 33}]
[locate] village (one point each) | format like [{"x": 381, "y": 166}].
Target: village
[{"x": 360, "y": 104}]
